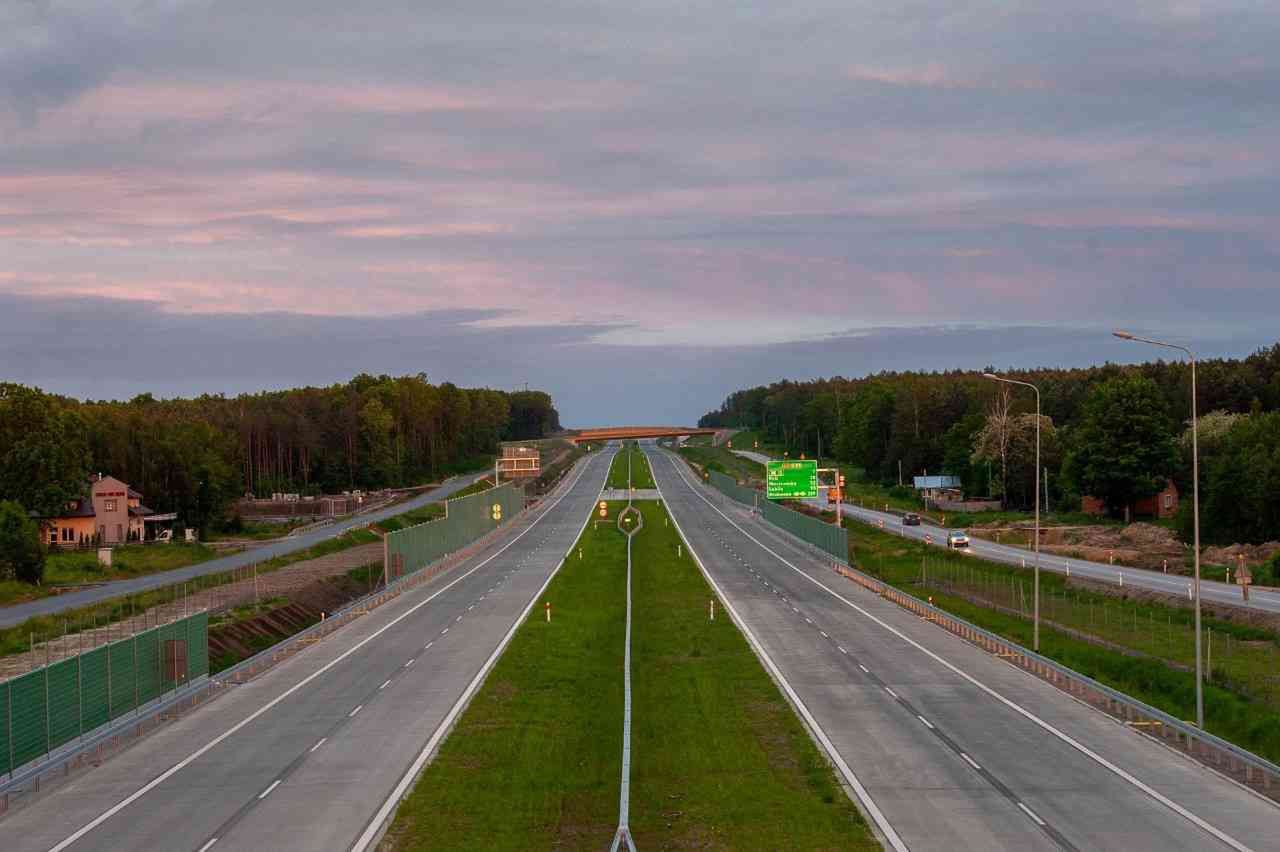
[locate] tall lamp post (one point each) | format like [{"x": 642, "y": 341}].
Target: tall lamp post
[
  {"x": 1195, "y": 505},
  {"x": 1035, "y": 633}
]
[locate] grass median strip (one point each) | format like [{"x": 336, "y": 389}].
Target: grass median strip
[
  {"x": 641, "y": 477},
  {"x": 719, "y": 759},
  {"x": 535, "y": 760}
]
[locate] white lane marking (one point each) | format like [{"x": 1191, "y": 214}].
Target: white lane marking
[
  {"x": 808, "y": 620},
  {"x": 429, "y": 644},
  {"x": 864, "y": 668},
  {"x": 873, "y": 810},
  {"x": 267, "y": 792},
  {"x": 473, "y": 606},
  {"x": 198, "y": 753},
  {"x": 319, "y": 743},
  {"x": 841, "y": 649},
  {"x": 927, "y": 723},
  {"x": 971, "y": 761},
  {"x": 211, "y": 841},
  {"x": 411, "y": 662},
  {"x": 379, "y": 819},
  {"x": 456, "y": 620},
  {"x": 891, "y": 692},
  {"x": 442, "y": 632},
  {"x": 359, "y": 707},
  {"x": 385, "y": 684},
  {"x": 1031, "y": 814},
  {"x": 824, "y": 634},
  {"x": 1012, "y": 705}
]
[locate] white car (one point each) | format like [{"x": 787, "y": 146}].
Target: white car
[{"x": 957, "y": 538}]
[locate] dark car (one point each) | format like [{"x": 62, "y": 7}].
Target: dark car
[{"x": 911, "y": 519}]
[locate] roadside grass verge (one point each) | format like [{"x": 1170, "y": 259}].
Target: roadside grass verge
[
  {"x": 719, "y": 759},
  {"x": 1148, "y": 650},
  {"x": 535, "y": 761},
  {"x": 73, "y": 567},
  {"x": 723, "y": 460}
]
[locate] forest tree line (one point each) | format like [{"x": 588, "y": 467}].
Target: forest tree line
[
  {"x": 1112, "y": 431},
  {"x": 196, "y": 456}
]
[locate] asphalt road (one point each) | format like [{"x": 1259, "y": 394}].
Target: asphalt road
[
  {"x": 305, "y": 756},
  {"x": 18, "y": 613},
  {"x": 1171, "y": 584},
  {"x": 950, "y": 747}
]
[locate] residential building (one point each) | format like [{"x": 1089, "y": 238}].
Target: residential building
[
  {"x": 1162, "y": 505},
  {"x": 109, "y": 512}
]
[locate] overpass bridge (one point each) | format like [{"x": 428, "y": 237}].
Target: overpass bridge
[{"x": 626, "y": 433}]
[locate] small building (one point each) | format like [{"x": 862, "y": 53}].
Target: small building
[
  {"x": 109, "y": 512},
  {"x": 1163, "y": 505}
]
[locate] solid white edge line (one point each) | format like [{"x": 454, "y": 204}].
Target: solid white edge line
[
  {"x": 211, "y": 841},
  {"x": 374, "y": 828},
  {"x": 864, "y": 797},
  {"x": 267, "y": 792},
  {"x": 1017, "y": 708},
  {"x": 195, "y": 755}
]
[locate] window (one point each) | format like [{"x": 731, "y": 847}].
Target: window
[
  {"x": 110, "y": 506},
  {"x": 68, "y": 534},
  {"x": 1168, "y": 501},
  {"x": 53, "y": 535}
]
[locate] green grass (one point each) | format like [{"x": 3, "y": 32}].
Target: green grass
[
  {"x": 641, "y": 477},
  {"x": 719, "y": 759},
  {"x": 535, "y": 761},
  {"x": 723, "y": 460},
  {"x": 474, "y": 488},
  {"x": 255, "y": 531},
  {"x": 1242, "y": 698},
  {"x": 73, "y": 567},
  {"x": 421, "y": 515}
]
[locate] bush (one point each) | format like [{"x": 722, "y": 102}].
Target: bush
[
  {"x": 1268, "y": 573},
  {"x": 22, "y": 552},
  {"x": 902, "y": 492}
]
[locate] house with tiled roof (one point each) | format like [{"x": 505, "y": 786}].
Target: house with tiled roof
[{"x": 109, "y": 512}]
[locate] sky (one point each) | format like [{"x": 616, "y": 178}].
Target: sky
[{"x": 637, "y": 207}]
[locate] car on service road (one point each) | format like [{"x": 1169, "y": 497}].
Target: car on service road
[
  {"x": 957, "y": 538},
  {"x": 911, "y": 519}
]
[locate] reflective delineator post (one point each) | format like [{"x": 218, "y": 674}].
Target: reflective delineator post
[
  {"x": 548, "y": 607},
  {"x": 713, "y": 609}
]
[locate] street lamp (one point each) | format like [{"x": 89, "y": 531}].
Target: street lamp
[
  {"x": 1035, "y": 632},
  {"x": 1195, "y": 505}
]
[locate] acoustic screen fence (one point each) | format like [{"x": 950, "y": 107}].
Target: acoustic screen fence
[
  {"x": 466, "y": 520},
  {"x": 827, "y": 537},
  {"x": 48, "y": 707}
]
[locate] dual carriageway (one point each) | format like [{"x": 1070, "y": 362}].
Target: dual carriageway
[{"x": 943, "y": 745}]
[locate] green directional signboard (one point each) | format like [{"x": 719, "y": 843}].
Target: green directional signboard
[{"x": 791, "y": 480}]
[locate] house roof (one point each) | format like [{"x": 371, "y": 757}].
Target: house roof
[{"x": 139, "y": 511}]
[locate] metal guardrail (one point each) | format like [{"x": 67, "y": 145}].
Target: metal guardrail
[
  {"x": 1243, "y": 766},
  {"x": 96, "y": 746}
]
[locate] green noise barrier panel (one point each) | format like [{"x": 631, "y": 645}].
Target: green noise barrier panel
[
  {"x": 466, "y": 520},
  {"x": 48, "y": 707},
  {"x": 827, "y": 537}
]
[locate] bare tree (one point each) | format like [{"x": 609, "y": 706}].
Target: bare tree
[{"x": 996, "y": 435}]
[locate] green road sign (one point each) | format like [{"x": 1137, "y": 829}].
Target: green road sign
[{"x": 791, "y": 480}]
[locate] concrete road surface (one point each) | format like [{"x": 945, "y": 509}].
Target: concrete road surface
[
  {"x": 1171, "y": 584},
  {"x": 305, "y": 756},
  {"x": 11, "y": 615},
  {"x": 950, "y": 747}
]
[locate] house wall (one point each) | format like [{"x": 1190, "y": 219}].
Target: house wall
[{"x": 112, "y": 523}]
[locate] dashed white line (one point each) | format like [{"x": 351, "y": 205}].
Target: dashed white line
[
  {"x": 824, "y": 634},
  {"x": 456, "y": 620},
  {"x": 970, "y": 761},
  {"x": 267, "y": 792},
  {"x": 212, "y": 840},
  {"x": 411, "y": 662},
  {"x": 359, "y": 707},
  {"x": 319, "y": 743},
  {"x": 442, "y": 632},
  {"x": 429, "y": 644},
  {"x": 927, "y": 723},
  {"x": 385, "y": 684},
  {"x": 891, "y": 692},
  {"x": 1031, "y": 814}
]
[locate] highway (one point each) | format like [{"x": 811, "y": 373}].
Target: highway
[
  {"x": 314, "y": 753},
  {"x": 944, "y": 745},
  {"x": 1171, "y": 584},
  {"x": 11, "y": 615}
]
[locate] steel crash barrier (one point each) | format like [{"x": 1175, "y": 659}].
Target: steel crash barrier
[
  {"x": 91, "y": 748},
  {"x": 1243, "y": 766}
]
